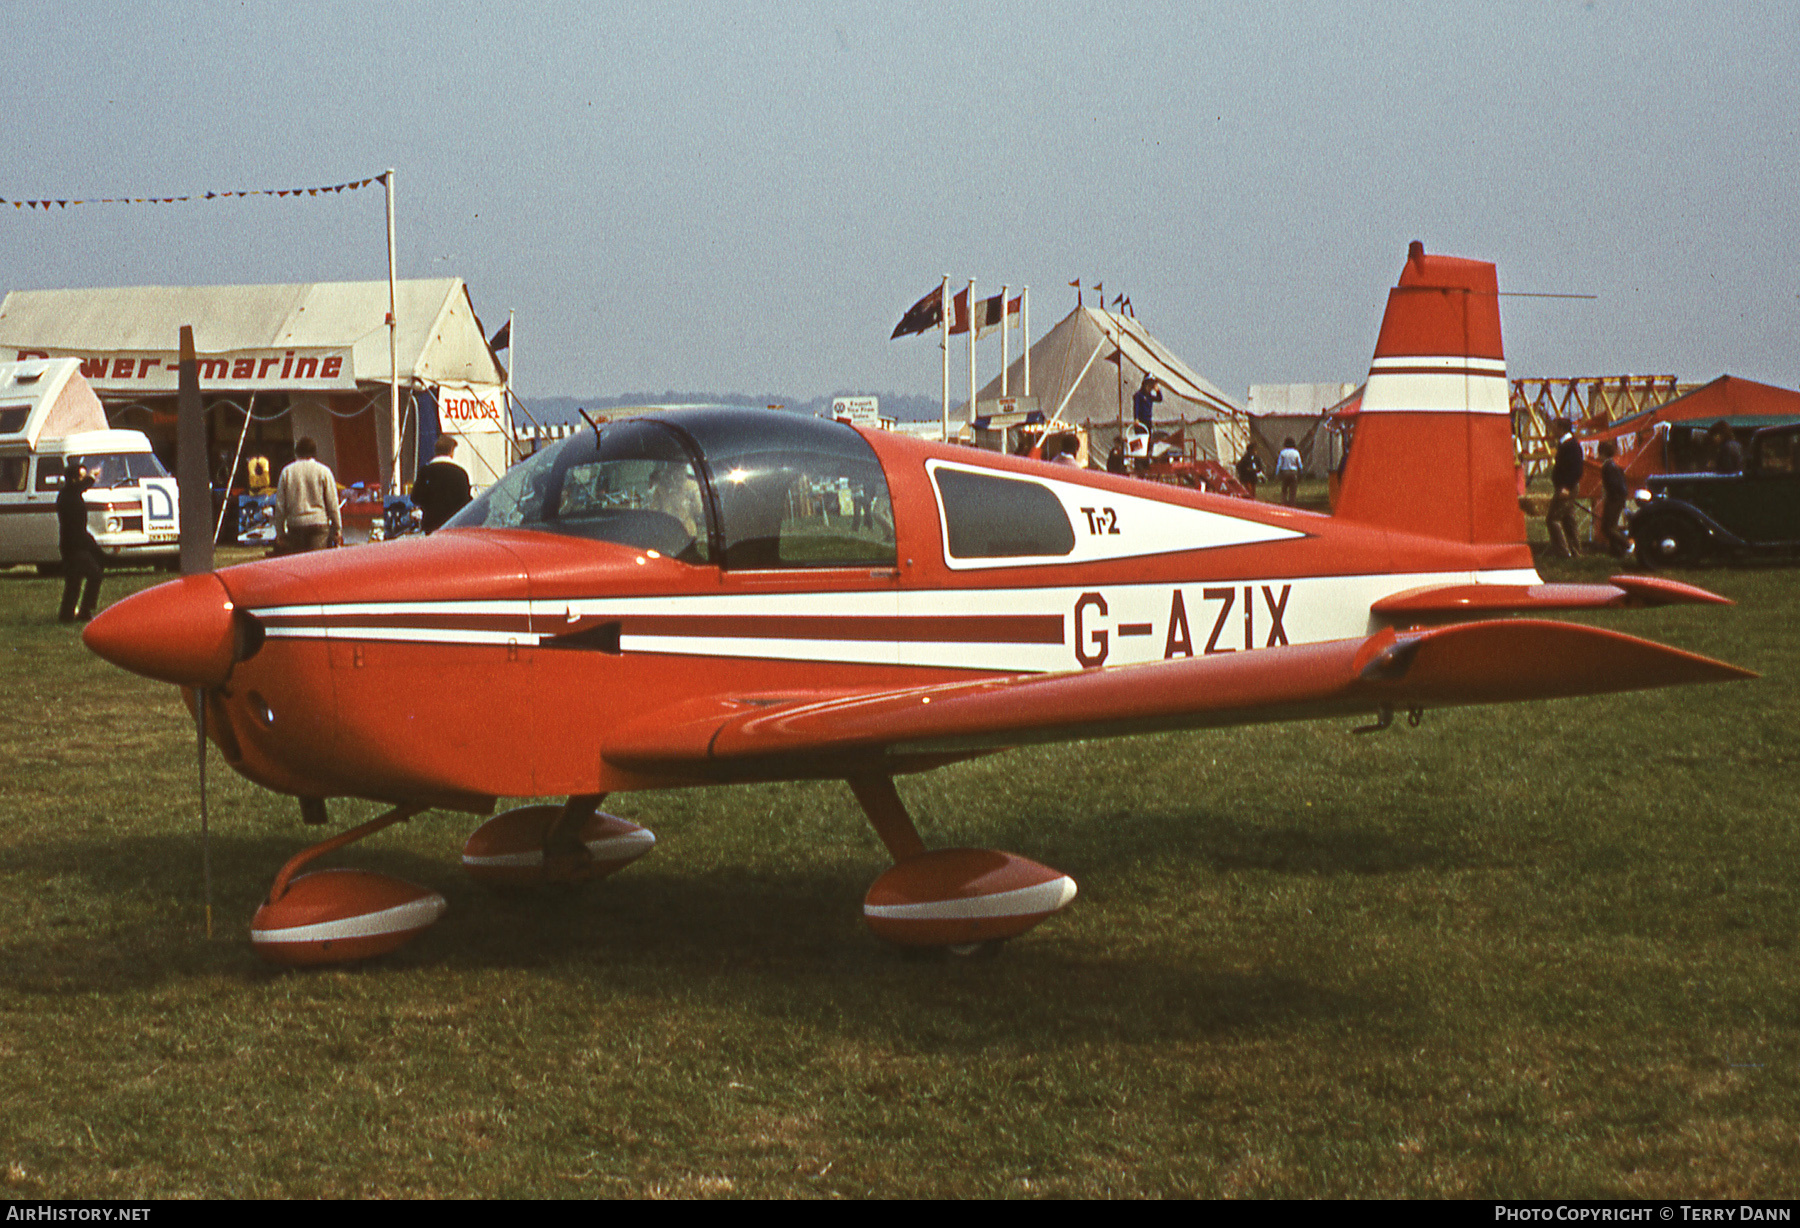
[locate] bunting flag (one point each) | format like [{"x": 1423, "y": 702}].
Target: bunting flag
[
  {"x": 352, "y": 186},
  {"x": 923, "y": 315}
]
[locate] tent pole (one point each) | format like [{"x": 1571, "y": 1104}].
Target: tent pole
[
  {"x": 971, "y": 351},
  {"x": 512, "y": 362},
  {"x": 1072, "y": 387},
  {"x": 944, "y": 345},
  {"x": 1005, "y": 351},
  {"x": 225, "y": 504},
  {"x": 393, "y": 323}
]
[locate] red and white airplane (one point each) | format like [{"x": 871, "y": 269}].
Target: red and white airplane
[{"x": 721, "y": 596}]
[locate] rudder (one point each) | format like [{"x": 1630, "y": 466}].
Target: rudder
[{"x": 1432, "y": 454}]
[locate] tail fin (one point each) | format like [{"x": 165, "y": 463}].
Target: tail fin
[{"x": 1433, "y": 449}]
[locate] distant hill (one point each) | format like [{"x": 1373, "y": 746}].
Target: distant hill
[{"x": 902, "y": 406}]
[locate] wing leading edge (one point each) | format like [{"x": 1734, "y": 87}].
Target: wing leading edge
[{"x": 731, "y": 738}]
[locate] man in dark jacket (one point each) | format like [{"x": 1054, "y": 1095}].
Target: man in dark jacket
[
  {"x": 442, "y": 488},
  {"x": 1565, "y": 477},
  {"x": 82, "y": 561}
]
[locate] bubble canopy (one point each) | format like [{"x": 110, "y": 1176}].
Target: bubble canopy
[{"x": 737, "y": 488}]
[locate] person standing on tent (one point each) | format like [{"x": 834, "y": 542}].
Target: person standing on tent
[
  {"x": 1144, "y": 401},
  {"x": 1287, "y": 468},
  {"x": 442, "y": 489}
]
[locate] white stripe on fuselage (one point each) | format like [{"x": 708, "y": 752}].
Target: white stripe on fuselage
[{"x": 1103, "y": 624}]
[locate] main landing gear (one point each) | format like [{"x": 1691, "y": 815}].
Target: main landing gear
[
  {"x": 964, "y": 900},
  {"x": 337, "y": 916}
]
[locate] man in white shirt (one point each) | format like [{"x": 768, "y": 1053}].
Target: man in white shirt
[
  {"x": 306, "y": 504},
  {"x": 1287, "y": 468}
]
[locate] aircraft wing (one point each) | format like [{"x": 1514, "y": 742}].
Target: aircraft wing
[
  {"x": 747, "y": 737},
  {"x": 1440, "y": 602}
]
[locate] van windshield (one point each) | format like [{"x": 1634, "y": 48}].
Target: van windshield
[{"x": 112, "y": 469}]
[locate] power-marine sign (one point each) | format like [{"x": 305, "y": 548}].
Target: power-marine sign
[{"x": 239, "y": 370}]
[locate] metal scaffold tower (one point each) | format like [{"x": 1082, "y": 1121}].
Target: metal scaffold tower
[{"x": 1597, "y": 400}]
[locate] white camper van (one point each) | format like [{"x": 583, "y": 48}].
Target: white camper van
[{"x": 48, "y": 413}]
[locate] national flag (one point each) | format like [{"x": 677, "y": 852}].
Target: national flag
[
  {"x": 987, "y": 316},
  {"x": 925, "y": 314},
  {"x": 959, "y": 313}
]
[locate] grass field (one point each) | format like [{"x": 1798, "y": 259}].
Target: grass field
[{"x": 1540, "y": 950}]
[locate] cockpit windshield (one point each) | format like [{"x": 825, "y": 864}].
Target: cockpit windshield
[
  {"x": 635, "y": 484},
  {"x": 745, "y": 488},
  {"x": 793, "y": 491}
]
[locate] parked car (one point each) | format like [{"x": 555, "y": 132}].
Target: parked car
[{"x": 1687, "y": 518}]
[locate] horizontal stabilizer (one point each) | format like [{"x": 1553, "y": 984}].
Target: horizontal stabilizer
[
  {"x": 1511, "y": 660},
  {"x": 764, "y": 736},
  {"x": 1443, "y": 601}
]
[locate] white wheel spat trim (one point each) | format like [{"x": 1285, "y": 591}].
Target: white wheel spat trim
[
  {"x": 416, "y": 914},
  {"x": 1023, "y": 901},
  {"x": 612, "y": 848}
]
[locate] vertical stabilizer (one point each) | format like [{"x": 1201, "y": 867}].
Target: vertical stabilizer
[{"x": 1433, "y": 450}]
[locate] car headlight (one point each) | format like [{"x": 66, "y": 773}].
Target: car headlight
[{"x": 1643, "y": 496}]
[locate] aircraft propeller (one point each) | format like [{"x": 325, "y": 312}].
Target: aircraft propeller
[{"x": 197, "y": 532}]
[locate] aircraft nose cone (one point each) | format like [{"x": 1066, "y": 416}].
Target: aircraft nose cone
[{"x": 182, "y": 632}]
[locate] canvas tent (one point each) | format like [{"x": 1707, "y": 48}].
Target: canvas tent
[
  {"x": 1072, "y": 370},
  {"x": 1300, "y": 412},
  {"x": 287, "y": 360}
]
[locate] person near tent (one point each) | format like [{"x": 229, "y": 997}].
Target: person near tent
[
  {"x": 1249, "y": 470},
  {"x": 1565, "y": 476},
  {"x": 306, "y": 503},
  {"x": 83, "y": 564},
  {"x": 1145, "y": 400},
  {"x": 1612, "y": 501},
  {"x": 1287, "y": 468},
  {"x": 442, "y": 488}
]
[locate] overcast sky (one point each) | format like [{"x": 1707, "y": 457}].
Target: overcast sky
[{"x": 746, "y": 197}]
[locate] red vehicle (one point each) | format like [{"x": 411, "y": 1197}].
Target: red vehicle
[{"x": 724, "y": 596}]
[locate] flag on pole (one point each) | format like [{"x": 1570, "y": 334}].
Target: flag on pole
[
  {"x": 987, "y": 316},
  {"x": 1076, "y": 286},
  {"x": 959, "y": 313},
  {"x": 502, "y": 339},
  {"x": 922, "y": 316}
]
